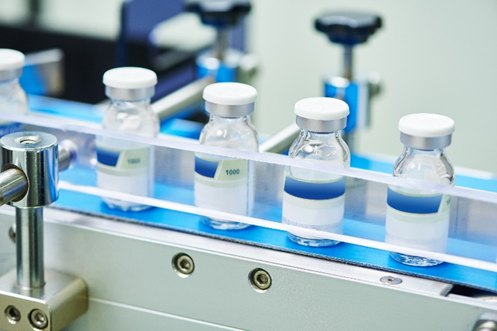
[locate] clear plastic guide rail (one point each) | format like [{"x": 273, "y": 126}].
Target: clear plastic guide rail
[{"x": 472, "y": 234}]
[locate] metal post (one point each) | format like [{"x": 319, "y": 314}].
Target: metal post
[
  {"x": 348, "y": 73},
  {"x": 67, "y": 154},
  {"x": 29, "y": 182},
  {"x": 221, "y": 45},
  {"x": 35, "y": 155},
  {"x": 348, "y": 68},
  {"x": 29, "y": 242},
  {"x": 13, "y": 185}
]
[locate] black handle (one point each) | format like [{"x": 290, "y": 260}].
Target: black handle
[
  {"x": 220, "y": 14},
  {"x": 348, "y": 28}
]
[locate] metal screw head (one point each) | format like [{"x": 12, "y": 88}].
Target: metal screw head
[
  {"x": 391, "y": 280},
  {"x": 13, "y": 314},
  {"x": 183, "y": 264},
  {"x": 38, "y": 319},
  {"x": 12, "y": 233},
  {"x": 260, "y": 279}
]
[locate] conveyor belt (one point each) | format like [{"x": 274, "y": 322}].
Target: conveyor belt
[
  {"x": 274, "y": 239},
  {"x": 270, "y": 238}
]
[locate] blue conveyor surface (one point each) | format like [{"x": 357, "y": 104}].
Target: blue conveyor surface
[{"x": 265, "y": 237}]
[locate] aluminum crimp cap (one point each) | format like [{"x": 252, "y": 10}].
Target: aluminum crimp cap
[
  {"x": 230, "y": 99},
  {"x": 426, "y": 131},
  {"x": 129, "y": 83},
  {"x": 321, "y": 114}
]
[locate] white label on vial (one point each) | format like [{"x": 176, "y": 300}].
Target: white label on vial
[
  {"x": 221, "y": 184},
  {"x": 314, "y": 204},
  {"x": 125, "y": 170},
  {"x": 418, "y": 221}
]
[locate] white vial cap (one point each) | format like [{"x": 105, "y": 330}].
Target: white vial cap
[
  {"x": 322, "y": 109},
  {"x": 130, "y": 78},
  {"x": 230, "y": 99},
  {"x": 11, "y": 59},
  {"x": 230, "y": 94},
  {"x": 426, "y": 125},
  {"x": 321, "y": 114}
]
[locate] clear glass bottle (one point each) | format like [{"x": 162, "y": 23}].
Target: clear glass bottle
[
  {"x": 313, "y": 199},
  {"x": 226, "y": 184},
  {"x": 418, "y": 219},
  {"x": 12, "y": 96},
  {"x": 124, "y": 165}
]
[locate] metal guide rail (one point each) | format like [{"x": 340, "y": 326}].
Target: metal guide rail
[{"x": 471, "y": 252}]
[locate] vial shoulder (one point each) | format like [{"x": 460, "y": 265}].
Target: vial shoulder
[
  {"x": 332, "y": 152},
  {"x": 241, "y": 136},
  {"x": 140, "y": 122},
  {"x": 13, "y": 100},
  {"x": 434, "y": 168}
]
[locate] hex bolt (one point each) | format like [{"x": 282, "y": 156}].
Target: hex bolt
[
  {"x": 13, "y": 314},
  {"x": 12, "y": 233},
  {"x": 183, "y": 264},
  {"x": 391, "y": 280},
  {"x": 38, "y": 319},
  {"x": 260, "y": 279}
]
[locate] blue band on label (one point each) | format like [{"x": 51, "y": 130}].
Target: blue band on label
[
  {"x": 205, "y": 168},
  {"x": 414, "y": 204},
  {"x": 10, "y": 128},
  {"x": 106, "y": 157},
  {"x": 314, "y": 191}
]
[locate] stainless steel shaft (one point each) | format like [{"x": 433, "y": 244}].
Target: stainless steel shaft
[
  {"x": 348, "y": 73},
  {"x": 30, "y": 183},
  {"x": 222, "y": 43},
  {"x": 67, "y": 154},
  {"x": 29, "y": 245},
  {"x": 13, "y": 185},
  {"x": 348, "y": 60}
]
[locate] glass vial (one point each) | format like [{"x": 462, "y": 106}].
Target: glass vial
[
  {"x": 222, "y": 183},
  {"x": 124, "y": 165},
  {"x": 12, "y": 96},
  {"x": 418, "y": 219},
  {"x": 313, "y": 199}
]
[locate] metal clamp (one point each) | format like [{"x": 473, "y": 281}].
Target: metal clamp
[{"x": 30, "y": 166}]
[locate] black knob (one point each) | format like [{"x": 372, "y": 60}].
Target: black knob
[
  {"x": 348, "y": 28},
  {"x": 220, "y": 14}
]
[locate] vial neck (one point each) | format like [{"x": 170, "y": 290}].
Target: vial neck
[
  {"x": 432, "y": 152},
  {"x": 232, "y": 120},
  {"x": 424, "y": 151},
  {"x": 322, "y": 136},
  {"x": 126, "y": 105}
]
